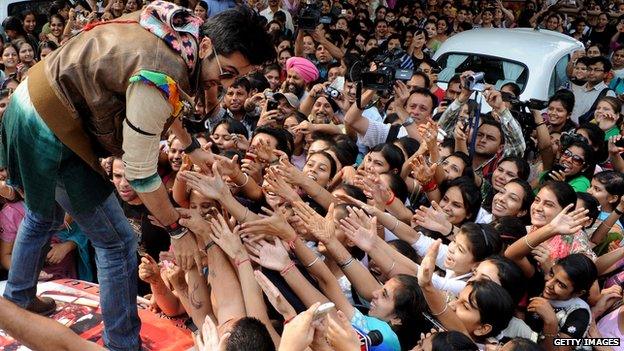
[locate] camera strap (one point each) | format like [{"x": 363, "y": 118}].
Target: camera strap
[
  {"x": 474, "y": 122},
  {"x": 358, "y": 98}
]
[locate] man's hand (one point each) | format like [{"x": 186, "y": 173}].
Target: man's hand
[
  {"x": 58, "y": 251},
  {"x": 202, "y": 158},
  {"x": 149, "y": 271},
  {"x": 494, "y": 98},
  {"x": 465, "y": 93},
  {"x": 186, "y": 252}
]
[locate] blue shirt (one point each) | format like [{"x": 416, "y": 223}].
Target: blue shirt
[
  {"x": 217, "y": 6},
  {"x": 367, "y": 323}
]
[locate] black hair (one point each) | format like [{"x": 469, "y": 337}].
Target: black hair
[
  {"x": 14, "y": 23},
  {"x": 409, "y": 145},
  {"x": 490, "y": 121},
  {"x": 522, "y": 344},
  {"x": 426, "y": 92},
  {"x": 58, "y": 17},
  {"x": 452, "y": 341},
  {"x": 232, "y": 125},
  {"x": 456, "y": 78},
  {"x": 203, "y": 4},
  {"x": 484, "y": 240},
  {"x": 239, "y": 30},
  {"x": 467, "y": 161},
  {"x": 588, "y": 156},
  {"x": 405, "y": 249},
  {"x": 392, "y": 154},
  {"x": 511, "y": 277},
  {"x": 346, "y": 150},
  {"x": 284, "y": 139},
  {"x": 352, "y": 191},
  {"x": 279, "y": 15},
  {"x": 613, "y": 182},
  {"x": 471, "y": 196},
  {"x": 257, "y": 82},
  {"x": 448, "y": 142},
  {"x": 606, "y": 64},
  {"x": 409, "y": 305},
  {"x": 581, "y": 270},
  {"x": 398, "y": 186},
  {"x": 597, "y": 140},
  {"x": 563, "y": 192},
  {"x": 249, "y": 334},
  {"x": 510, "y": 229},
  {"x": 494, "y": 303},
  {"x": 591, "y": 204},
  {"x": 424, "y": 76},
  {"x": 527, "y": 199},
  {"x": 241, "y": 82},
  {"x": 332, "y": 162},
  {"x": 515, "y": 88},
  {"x": 565, "y": 97},
  {"x": 271, "y": 67}
]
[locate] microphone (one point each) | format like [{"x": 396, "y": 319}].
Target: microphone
[{"x": 373, "y": 338}]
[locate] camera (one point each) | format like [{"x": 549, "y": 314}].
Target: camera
[
  {"x": 531, "y": 104},
  {"x": 271, "y": 105},
  {"x": 310, "y": 16},
  {"x": 388, "y": 71},
  {"x": 475, "y": 82},
  {"x": 332, "y": 92}
]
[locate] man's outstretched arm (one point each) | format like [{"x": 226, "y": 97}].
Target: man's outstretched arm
[{"x": 40, "y": 333}]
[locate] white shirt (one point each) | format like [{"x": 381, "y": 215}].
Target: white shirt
[
  {"x": 268, "y": 14},
  {"x": 584, "y": 99}
]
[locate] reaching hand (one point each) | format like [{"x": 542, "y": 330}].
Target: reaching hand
[
  {"x": 264, "y": 152},
  {"x": 401, "y": 94},
  {"x": 614, "y": 149},
  {"x": 194, "y": 222},
  {"x": 427, "y": 266},
  {"x": 271, "y": 256},
  {"x": 290, "y": 173},
  {"x": 421, "y": 171},
  {"x": 209, "y": 339},
  {"x": 186, "y": 252},
  {"x": 569, "y": 222},
  {"x": 341, "y": 334},
  {"x": 229, "y": 241},
  {"x": 175, "y": 275},
  {"x": 58, "y": 251},
  {"x": 252, "y": 168},
  {"x": 494, "y": 98},
  {"x": 298, "y": 334},
  {"x": 275, "y": 296},
  {"x": 277, "y": 185},
  {"x": 149, "y": 271},
  {"x": 212, "y": 187},
  {"x": 204, "y": 159},
  {"x": 542, "y": 307},
  {"x": 275, "y": 225},
  {"x": 433, "y": 218},
  {"x": 228, "y": 167},
  {"x": 362, "y": 237},
  {"x": 321, "y": 228}
]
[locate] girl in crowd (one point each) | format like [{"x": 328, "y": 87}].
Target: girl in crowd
[{"x": 57, "y": 25}]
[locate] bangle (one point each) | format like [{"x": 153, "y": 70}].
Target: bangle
[
  {"x": 396, "y": 224},
  {"x": 291, "y": 244},
  {"x": 619, "y": 213},
  {"x": 244, "y": 183},
  {"x": 346, "y": 264},
  {"x": 540, "y": 124},
  {"x": 241, "y": 262},
  {"x": 312, "y": 263},
  {"x": 451, "y": 232},
  {"x": 286, "y": 321},
  {"x": 526, "y": 241},
  {"x": 430, "y": 186},
  {"x": 441, "y": 312},
  {"x": 287, "y": 269},
  {"x": 208, "y": 246},
  {"x": 389, "y": 202}
]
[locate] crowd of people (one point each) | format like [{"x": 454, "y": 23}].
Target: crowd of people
[{"x": 415, "y": 215}]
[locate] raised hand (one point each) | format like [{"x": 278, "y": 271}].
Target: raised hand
[
  {"x": 229, "y": 241},
  {"x": 363, "y": 237},
  {"x": 614, "y": 149},
  {"x": 421, "y": 171},
  {"x": 228, "y": 167},
  {"x": 275, "y": 296},
  {"x": 321, "y": 228},
  {"x": 433, "y": 218},
  {"x": 341, "y": 334},
  {"x": 569, "y": 222},
  {"x": 212, "y": 187},
  {"x": 427, "y": 266},
  {"x": 298, "y": 334},
  {"x": 289, "y": 172},
  {"x": 252, "y": 168},
  {"x": 277, "y": 185},
  {"x": 194, "y": 222},
  {"x": 149, "y": 271},
  {"x": 264, "y": 151},
  {"x": 209, "y": 339},
  {"x": 271, "y": 256},
  {"x": 275, "y": 225}
]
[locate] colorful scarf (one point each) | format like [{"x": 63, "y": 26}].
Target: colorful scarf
[{"x": 176, "y": 26}]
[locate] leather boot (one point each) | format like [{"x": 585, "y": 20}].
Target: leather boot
[{"x": 42, "y": 305}]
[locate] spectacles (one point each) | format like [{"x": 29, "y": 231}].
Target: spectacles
[
  {"x": 576, "y": 159},
  {"x": 223, "y": 75}
]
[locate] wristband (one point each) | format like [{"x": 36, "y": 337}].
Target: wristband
[
  {"x": 391, "y": 200},
  {"x": 286, "y": 321},
  {"x": 346, "y": 264},
  {"x": 540, "y": 124},
  {"x": 175, "y": 230},
  {"x": 208, "y": 246},
  {"x": 619, "y": 213},
  {"x": 285, "y": 271},
  {"x": 241, "y": 262},
  {"x": 431, "y": 186},
  {"x": 193, "y": 146}
]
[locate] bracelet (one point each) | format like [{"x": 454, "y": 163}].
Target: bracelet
[
  {"x": 392, "y": 267},
  {"x": 244, "y": 183},
  {"x": 241, "y": 262},
  {"x": 285, "y": 271},
  {"x": 441, "y": 312},
  {"x": 396, "y": 224},
  {"x": 346, "y": 264},
  {"x": 619, "y": 213},
  {"x": 451, "y": 232},
  {"x": 286, "y": 321},
  {"x": 208, "y": 246},
  {"x": 540, "y": 124},
  {"x": 312, "y": 263},
  {"x": 431, "y": 186},
  {"x": 526, "y": 241},
  {"x": 291, "y": 244},
  {"x": 391, "y": 199}
]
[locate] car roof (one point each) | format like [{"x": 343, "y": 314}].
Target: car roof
[{"x": 527, "y": 45}]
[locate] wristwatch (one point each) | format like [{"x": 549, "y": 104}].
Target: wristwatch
[
  {"x": 175, "y": 230},
  {"x": 194, "y": 146},
  {"x": 408, "y": 122}
]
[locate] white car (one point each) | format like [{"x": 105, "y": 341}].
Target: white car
[{"x": 536, "y": 60}]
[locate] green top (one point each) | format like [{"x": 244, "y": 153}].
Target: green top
[
  {"x": 611, "y": 132},
  {"x": 580, "y": 184}
]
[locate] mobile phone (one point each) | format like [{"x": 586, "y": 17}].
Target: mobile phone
[
  {"x": 436, "y": 324},
  {"x": 271, "y": 105},
  {"x": 323, "y": 310}
]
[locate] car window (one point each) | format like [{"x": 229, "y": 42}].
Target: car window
[
  {"x": 559, "y": 78},
  {"x": 498, "y": 71}
]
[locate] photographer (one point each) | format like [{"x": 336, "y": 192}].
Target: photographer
[{"x": 490, "y": 146}]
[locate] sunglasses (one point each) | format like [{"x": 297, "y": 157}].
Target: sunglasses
[
  {"x": 576, "y": 159},
  {"x": 223, "y": 75}
]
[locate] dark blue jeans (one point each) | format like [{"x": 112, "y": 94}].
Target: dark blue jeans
[{"x": 115, "y": 247}]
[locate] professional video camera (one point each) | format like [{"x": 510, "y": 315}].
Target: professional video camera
[
  {"x": 521, "y": 110},
  {"x": 387, "y": 70},
  {"x": 310, "y": 16}
]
